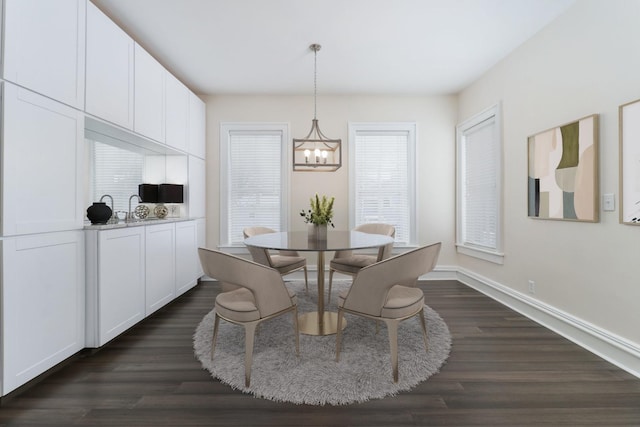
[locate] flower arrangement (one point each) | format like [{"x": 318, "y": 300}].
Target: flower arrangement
[{"x": 321, "y": 211}]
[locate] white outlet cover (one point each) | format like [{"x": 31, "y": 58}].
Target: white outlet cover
[{"x": 609, "y": 202}]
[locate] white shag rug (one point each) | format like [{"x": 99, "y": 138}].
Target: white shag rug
[{"x": 315, "y": 378}]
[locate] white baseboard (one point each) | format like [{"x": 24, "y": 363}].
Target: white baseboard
[{"x": 612, "y": 348}]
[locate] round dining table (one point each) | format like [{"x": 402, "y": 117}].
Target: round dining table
[{"x": 319, "y": 322}]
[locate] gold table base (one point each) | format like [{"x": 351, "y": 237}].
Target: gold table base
[{"x": 309, "y": 325}]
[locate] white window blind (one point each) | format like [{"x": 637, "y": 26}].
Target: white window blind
[
  {"x": 252, "y": 179},
  {"x": 479, "y": 183},
  {"x": 383, "y": 159},
  {"x": 116, "y": 172}
]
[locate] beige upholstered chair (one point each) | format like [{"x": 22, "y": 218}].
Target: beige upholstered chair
[
  {"x": 261, "y": 295},
  {"x": 285, "y": 261},
  {"x": 379, "y": 292},
  {"x": 348, "y": 262}
]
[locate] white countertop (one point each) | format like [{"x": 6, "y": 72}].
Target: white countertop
[{"x": 137, "y": 223}]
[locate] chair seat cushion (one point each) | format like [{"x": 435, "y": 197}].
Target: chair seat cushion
[
  {"x": 402, "y": 301},
  {"x": 284, "y": 263},
  {"x": 238, "y": 305},
  {"x": 353, "y": 263}
]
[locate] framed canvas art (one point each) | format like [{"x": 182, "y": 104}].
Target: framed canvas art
[
  {"x": 563, "y": 172},
  {"x": 630, "y": 163}
]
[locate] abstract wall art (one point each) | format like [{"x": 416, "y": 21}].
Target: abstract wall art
[
  {"x": 630, "y": 163},
  {"x": 563, "y": 172}
]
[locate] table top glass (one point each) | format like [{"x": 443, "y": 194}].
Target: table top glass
[{"x": 337, "y": 240}]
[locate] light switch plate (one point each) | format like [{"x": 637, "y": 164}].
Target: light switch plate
[{"x": 608, "y": 202}]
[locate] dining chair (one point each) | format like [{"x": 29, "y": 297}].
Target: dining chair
[
  {"x": 380, "y": 292},
  {"x": 260, "y": 295},
  {"x": 284, "y": 261},
  {"x": 348, "y": 262}
]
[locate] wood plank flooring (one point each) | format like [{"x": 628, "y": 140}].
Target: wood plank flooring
[{"x": 504, "y": 370}]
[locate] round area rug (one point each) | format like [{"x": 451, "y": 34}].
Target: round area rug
[{"x": 315, "y": 378}]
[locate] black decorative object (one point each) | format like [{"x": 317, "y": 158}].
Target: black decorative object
[
  {"x": 99, "y": 213},
  {"x": 171, "y": 193},
  {"x": 148, "y": 193}
]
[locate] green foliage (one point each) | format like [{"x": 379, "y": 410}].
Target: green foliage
[{"x": 321, "y": 211}]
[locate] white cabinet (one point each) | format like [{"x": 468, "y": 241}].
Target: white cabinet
[
  {"x": 176, "y": 113},
  {"x": 201, "y": 231},
  {"x": 44, "y": 47},
  {"x": 43, "y": 144},
  {"x": 43, "y": 298},
  {"x": 187, "y": 261},
  {"x": 196, "y": 187},
  {"x": 149, "y": 96},
  {"x": 197, "y": 126},
  {"x": 160, "y": 268},
  {"x": 109, "y": 75},
  {"x": 115, "y": 282}
]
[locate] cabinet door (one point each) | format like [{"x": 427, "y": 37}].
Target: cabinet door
[
  {"x": 44, "y": 47},
  {"x": 43, "y": 143},
  {"x": 42, "y": 304},
  {"x": 201, "y": 227},
  {"x": 109, "y": 76},
  {"x": 176, "y": 113},
  {"x": 197, "y": 126},
  {"x": 160, "y": 266},
  {"x": 121, "y": 281},
  {"x": 187, "y": 261},
  {"x": 196, "y": 188},
  {"x": 149, "y": 96}
]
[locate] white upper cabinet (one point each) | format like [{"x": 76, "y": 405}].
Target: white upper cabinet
[
  {"x": 196, "y": 187},
  {"x": 149, "y": 96},
  {"x": 44, "y": 47},
  {"x": 109, "y": 77},
  {"x": 43, "y": 145},
  {"x": 176, "y": 113},
  {"x": 197, "y": 113}
]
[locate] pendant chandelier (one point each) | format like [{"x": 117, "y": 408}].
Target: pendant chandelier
[{"x": 315, "y": 152}]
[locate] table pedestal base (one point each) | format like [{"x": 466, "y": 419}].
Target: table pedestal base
[{"x": 309, "y": 325}]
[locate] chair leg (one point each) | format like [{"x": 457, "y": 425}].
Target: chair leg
[
  {"x": 296, "y": 330},
  {"x": 331, "y": 270},
  {"x": 392, "y": 326},
  {"x": 249, "y": 331},
  {"x": 424, "y": 329},
  {"x": 339, "y": 334},
  {"x": 306, "y": 282},
  {"x": 215, "y": 334}
]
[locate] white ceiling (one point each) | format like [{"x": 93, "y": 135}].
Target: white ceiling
[{"x": 368, "y": 46}]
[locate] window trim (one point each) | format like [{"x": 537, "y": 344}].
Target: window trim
[
  {"x": 225, "y": 131},
  {"x": 412, "y": 152},
  {"x": 492, "y": 255}
]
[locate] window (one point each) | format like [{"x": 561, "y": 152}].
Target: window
[
  {"x": 479, "y": 186},
  {"x": 253, "y": 178},
  {"x": 382, "y": 177}
]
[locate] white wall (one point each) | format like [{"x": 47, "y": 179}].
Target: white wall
[
  {"x": 587, "y": 61},
  {"x": 435, "y": 118}
]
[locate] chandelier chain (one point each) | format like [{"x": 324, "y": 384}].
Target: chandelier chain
[{"x": 315, "y": 84}]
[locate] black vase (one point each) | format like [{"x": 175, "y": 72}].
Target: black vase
[{"x": 99, "y": 213}]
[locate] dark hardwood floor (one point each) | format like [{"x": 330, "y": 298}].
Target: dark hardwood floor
[{"x": 504, "y": 370}]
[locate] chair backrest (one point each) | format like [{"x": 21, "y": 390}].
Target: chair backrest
[
  {"x": 369, "y": 290},
  {"x": 374, "y": 228},
  {"x": 265, "y": 283},
  {"x": 263, "y": 258},
  {"x": 259, "y": 255}
]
